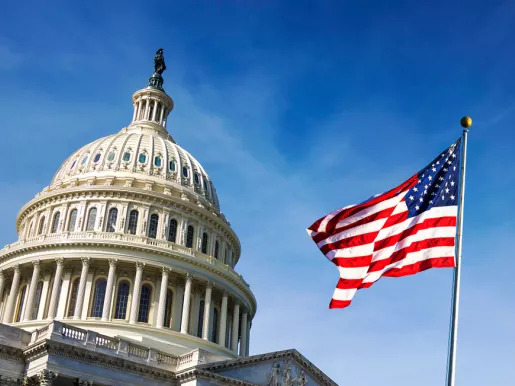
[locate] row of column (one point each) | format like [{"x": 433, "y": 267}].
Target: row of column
[{"x": 184, "y": 326}]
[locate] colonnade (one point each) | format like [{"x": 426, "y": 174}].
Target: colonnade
[{"x": 56, "y": 294}]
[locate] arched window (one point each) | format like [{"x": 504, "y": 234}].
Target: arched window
[
  {"x": 55, "y": 224},
  {"x": 204, "y": 243},
  {"x": 172, "y": 230},
  {"x": 73, "y": 219},
  {"x": 111, "y": 220},
  {"x": 92, "y": 217},
  {"x": 21, "y": 303},
  {"x": 133, "y": 222},
  {"x": 216, "y": 249},
  {"x": 41, "y": 225},
  {"x": 37, "y": 301},
  {"x": 200, "y": 318},
  {"x": 144, "y": 303},
  {"x": 168, "y": 308},
  {"x": 189, "y": 237},
  {"x": 73, "y": 297},
  {"x": 30, "y": 229},
  {"x": 122, "y": 299},
  {"x": 214, "y": 332},
  {"x": 152, "y": 229},
  {"x": 98, "y": 299}
]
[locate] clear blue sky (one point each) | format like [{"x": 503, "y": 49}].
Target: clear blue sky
[{"x": 295, "y": 109}]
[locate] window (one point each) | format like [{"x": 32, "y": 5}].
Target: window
[
  {"x": 168, "y": 309},
  {"x": 21, "y": 303},
  {"x": 200, "y": 318},
  {"x": 142, "y": 158},
  {"x": 92, "y": 216},
  {"x": 144, "y": 303},
  {"x": 55, "y": 224},
  {"x": 110, "y": 156},
  {"x": 158, "y": 161},
  {"x": 37, "y": 301},
  {"x": 126, "y": 157},
  {"x": 98, "y": 299},
  {"x": 73, "y": 164},
  {"x": 73, "y": 297},
  {"x": 150, "y": 112},
  {"x": 97, "y": 158},
  {"x": 85, "y": 159},
  {"x": 158, "y": 112},
  {"x": 204, "y": 243},
  {"x": 122, "y": 299},
  {"x": 133, "y": 222},
  {"x": 185, "y": 171},
  {"x": 216, "y": 249},
  {"x": 172, "y": 165},
  {"x": 214, "y": 332},
  {"x": 73, "y": 219},
  {"x": 152, "y": 229},
  {"x": 196, "y": 178},
  {"x": 41, "y": 225},
  {"x": 172, "y": 230},
  {"x": 189, "y": 237},
  {"x": 111, "y": 220}
]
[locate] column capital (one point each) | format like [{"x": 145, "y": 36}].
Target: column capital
[
  {"x": 140, "y": 265},
  {"x": 59, "y": 261},
  {"x": 16, "y": 268},
  {"x": 46, "y": 377},
  {"x": 210, "y": 285},
  {"x": 85, "y": 261},
  {"x": 225, "y": 294},
  {"x": 189, "y": 277},
  {"x": 113, "y": 262},
  {"x": 1, "y": 274},
  {"x": 36, "y": 263},
  {"x": 166, "y": 270}
]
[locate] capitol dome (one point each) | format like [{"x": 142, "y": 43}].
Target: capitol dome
[{"x": 128, "y": 241}]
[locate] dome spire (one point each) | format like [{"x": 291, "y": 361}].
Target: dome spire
[{"x": 156, "y": 80}]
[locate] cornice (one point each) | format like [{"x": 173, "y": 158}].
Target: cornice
[
  {"x": 11, "y": 353},
  {"x": 192, "y": 374}
]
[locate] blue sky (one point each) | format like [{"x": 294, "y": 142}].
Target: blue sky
[{"x": 296, "y": 109}]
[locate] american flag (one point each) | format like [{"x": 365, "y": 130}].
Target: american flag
[{"x": 404, "y": 231}]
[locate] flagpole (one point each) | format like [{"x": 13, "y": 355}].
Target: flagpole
[{"x": 466, "y": 122}]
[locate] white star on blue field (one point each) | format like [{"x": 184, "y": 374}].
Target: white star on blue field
[{"x": 296, "y": 109}]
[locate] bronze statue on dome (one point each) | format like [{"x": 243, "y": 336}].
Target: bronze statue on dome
[{"x": 159, "y": 62}]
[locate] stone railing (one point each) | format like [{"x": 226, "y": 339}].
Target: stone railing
[{"x": 123, "y": 238}]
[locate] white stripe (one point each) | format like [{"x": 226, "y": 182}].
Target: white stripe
[
  {"x": 344, "y": 294},
  {"x": 400, "y": 208},
  {"x": 412, "y": 258},
  {"x": 353, "y": 273},
  {"x": 373, "y": 226},
  {"x": 325, "y": 221},
  {"x": 360, "y": 250}
]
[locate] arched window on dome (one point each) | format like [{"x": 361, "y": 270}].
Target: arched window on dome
[
  {"x": 122, "y": 299},
  {"x": 217, "y": 247},
  {"x": 72, "y": 220},
  {"x": 200, "y": 318},
  {"x": 172, "y": 230},
  {"x": 21, "y": 304},
  {"x": 189, "y": 236},
  {"x": 92, "y": 217},
  {"x": 152, "y": 228},
  {"x": 37, "y": 301},
  {"x": 111, "y": 220},
  {"x": 204, "y": 243},
  {"x": 144, "y": 303},
  {"x": 214, "y": 331},
  {"x": 133, "y": 222},
  {"x": 73, "y": 297},
  {"x": 99, "y": 298},
  {"x": 41, "y": 225},
  {"x": 55, "y": 223},
  {"x": 167, "y": 321}
]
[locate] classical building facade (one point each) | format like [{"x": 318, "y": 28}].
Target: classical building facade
[{"x": 123, "y": 272}]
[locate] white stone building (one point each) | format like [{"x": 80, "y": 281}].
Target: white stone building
[{"x": 123, "y": 273}]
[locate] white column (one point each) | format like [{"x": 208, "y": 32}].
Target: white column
[
  {"x": 2, "y": 285},
  {"x": 44, "y": 295},
  {"x": 235, "y": 327},
  {"x": 109, "y": 289},
  {"x": 162, "y": 298},
  {"x": 8, "y": 314},
  {"x": 161, "y": 115},
  {"x": 82, "y": 287},
  {"x": 207, "y": 311},
  {"x": 154, "y": 111},
  {"x": 186, "y": 304},
  {"x": 136, "y": 292},
  {"x": 54, "y": 297},
  {"x": 63, "y": 294},
  {"x": 223, "y": 319},
  {"x": 32, "y": 291},
  {"x": 177, "y": 308},
  {"x": 243, "y": 344},
  {"x": 249, "y": 325}
]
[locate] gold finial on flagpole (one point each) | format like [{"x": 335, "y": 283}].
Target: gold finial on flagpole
[{"x": 466, "y": 122}]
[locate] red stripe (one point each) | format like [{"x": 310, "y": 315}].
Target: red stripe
[
  {"x": 339, "y": 303},
  {"x": 413, "y": 247},
  {"x": 349, "y": 242},
  {"x": 396, "y": 219},
  {"x": 426, "y": 224},
  {"x": 353, "y": 262},
  {"x": 437, "y": 262},
  {"x": 348, "y": 283}
]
